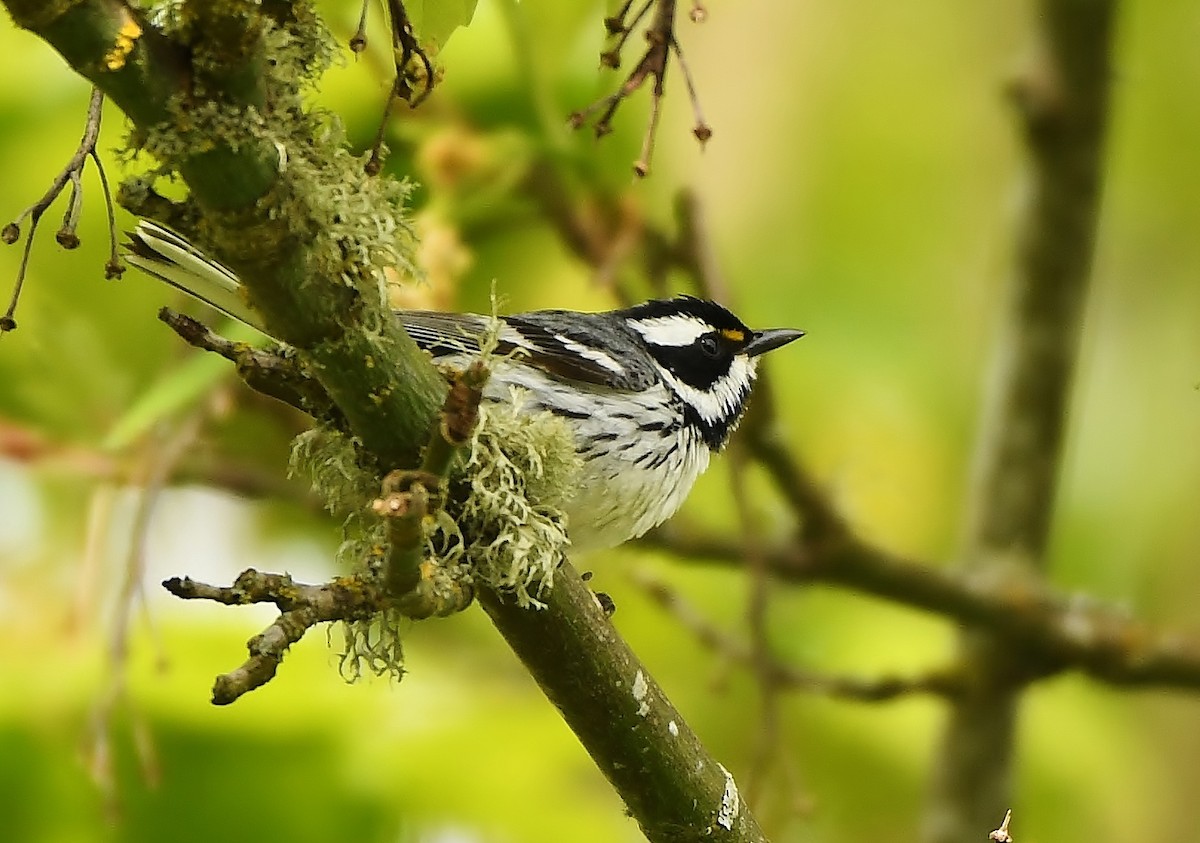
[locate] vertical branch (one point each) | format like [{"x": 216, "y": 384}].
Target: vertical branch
[{"x": 1062, "y": 104}]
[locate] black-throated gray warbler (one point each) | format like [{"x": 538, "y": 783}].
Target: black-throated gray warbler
[{"x": 650, "y": 391}]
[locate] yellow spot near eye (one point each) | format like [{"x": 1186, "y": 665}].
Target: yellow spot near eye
[
  {"x": 127, "y": 37},
  {"x": 734, "y": 335}
]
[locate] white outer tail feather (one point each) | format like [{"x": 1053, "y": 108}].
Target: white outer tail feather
[{"x": 165, "y": 255}]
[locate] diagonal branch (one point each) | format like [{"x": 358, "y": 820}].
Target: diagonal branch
[{"x": 675, "y": 790}]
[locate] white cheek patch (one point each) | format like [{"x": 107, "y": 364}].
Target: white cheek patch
[
  {"x": 722, "y": 400},
  {"x": 671, "y": 330},
  {"x": 594, "y": 354}
]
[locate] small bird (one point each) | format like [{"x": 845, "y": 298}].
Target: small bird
[{"x": 649, "y": 391}]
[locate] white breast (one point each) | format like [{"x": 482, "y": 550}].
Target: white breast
[
  {"x": 634, "y": 478},
  {"x": 640, "y": 459},
  {"x": 619, "y": 500}
]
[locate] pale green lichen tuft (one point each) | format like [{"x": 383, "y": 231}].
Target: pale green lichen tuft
[
  {"x": 372, "y": 646},
  {"x": 505, "y": 527},
  {"x": 511, "y": 531},
  {"x": 332, "y": 462},
  {"x": 358, "y": 218},
  {"x": 354, "y": 224}
]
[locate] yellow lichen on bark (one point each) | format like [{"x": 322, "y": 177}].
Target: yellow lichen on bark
[{"x": 127, "y": 37}]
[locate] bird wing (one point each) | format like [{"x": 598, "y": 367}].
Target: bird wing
[
  {"x": 566, "y": 345},
  {"x": 554, "y": 352},
  {"x": 444, "y": 334}
]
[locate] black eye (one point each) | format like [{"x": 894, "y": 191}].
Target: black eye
[{"x": 710, "y": 346}]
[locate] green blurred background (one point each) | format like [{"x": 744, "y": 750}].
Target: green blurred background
[{"x": 863, "y": 182}]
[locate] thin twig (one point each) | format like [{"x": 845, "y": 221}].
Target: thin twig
[
  {"x": 944, "y": 682},
  {"x": 358, "y": 41},
  {"x": 411, "y": 496},
  {"x": 662, "y": 43},
  {"x": 618, "y": 27},
  {"x": 113, "y": 267},
  {"x": 374, "y": 163},
  {"x": 405, "y": 47},
  {"x": 276, "y": 372},
  {"x": 406, "y": 42},
  {"x": 1002, "y": 835},
  {"x": 66, "y": 235},
  {"x": 701, "y": 129}
]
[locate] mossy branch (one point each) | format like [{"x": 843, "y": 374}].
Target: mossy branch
[
  {"x": 268, "y": 224},
  {"x": 300, "y": 608},
  {"x": 409, "y": 497}
]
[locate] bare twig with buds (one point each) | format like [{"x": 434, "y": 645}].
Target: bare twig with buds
[
  {"x": 413, "y": 81},
  {"x": 67, "y": 235},
  {"x": 662, "y": 44}
]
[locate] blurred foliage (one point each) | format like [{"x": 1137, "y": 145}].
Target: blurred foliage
[
  {"x": 435, "y": 20},
  {"x": 862, "y": 183}
]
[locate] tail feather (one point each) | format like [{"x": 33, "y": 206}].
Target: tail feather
[{"x": 162, "y": 253}]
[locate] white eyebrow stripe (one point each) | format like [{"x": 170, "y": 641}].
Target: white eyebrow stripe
[
  {"x": 594, "y": 354},
  {"x": 677, "y": 329}
]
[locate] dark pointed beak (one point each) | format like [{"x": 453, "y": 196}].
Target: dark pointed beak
[{"x": 771, "y": 339}]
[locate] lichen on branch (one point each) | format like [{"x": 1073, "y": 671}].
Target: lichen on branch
[
  {"x": 488, "y": 499},
  {"x": 494, "y": 519},
  {"x": 510, "y": 528},
  {"x": 273, "y": 192}
]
